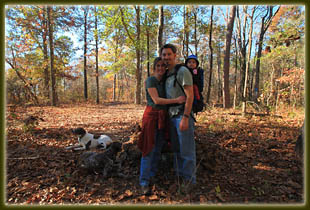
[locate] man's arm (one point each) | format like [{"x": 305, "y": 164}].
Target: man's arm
[{"x": 188, "y": 89}]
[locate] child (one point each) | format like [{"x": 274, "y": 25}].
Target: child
[{"x": 192, "y": 64}]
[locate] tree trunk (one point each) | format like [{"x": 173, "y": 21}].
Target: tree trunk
[
  {"x": 252, "y": 77},
  {"x": 244, "y": 96},
  {"x": 120, "y": 86},
  {"x": 85, "y": 53},
  {"x": 185, "y": 33},
  {"x": 242, "y": 51},
  {"x": 148, "y": 52},
  {"x": 264, "y": 26},
  {"x": 115, "y": 74},
  {"x": 235, "y": 77},
  {"x": 138, "y": 53},
  {"x": 114, "y": 87},
  {"x": 220, "y": 86},
  {"x": 195, "y": 31},
  {"x": 271, "y": 85},
  {"x": 160, "y": 29},
  {"x": 97, "y": 68},
  {"x": 45, "y": 55},
  {"x": 230, "y": 26},
  {"x": 148, "y": 45},
  {"x": 136, "y": 42},
  {"x": 211, "y": 56},
  {"x": 51, "y": 41}
]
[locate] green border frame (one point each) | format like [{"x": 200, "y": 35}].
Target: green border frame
[{"x": 167, "y": 2}]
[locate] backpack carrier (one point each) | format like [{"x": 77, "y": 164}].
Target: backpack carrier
[{"x": 197, "y": 75}]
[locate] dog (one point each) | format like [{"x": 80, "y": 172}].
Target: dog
[
  {"x": 88, "y": 141},
  {"x": 104, "y": 163}
]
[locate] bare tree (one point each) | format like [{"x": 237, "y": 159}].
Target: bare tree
[
  {"x": 244, "y": 95},
  {"x": 266, "y": 21}
]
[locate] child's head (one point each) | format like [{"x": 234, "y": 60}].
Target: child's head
[{"x": 192, "y": 62}]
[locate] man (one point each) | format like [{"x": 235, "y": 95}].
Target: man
[{"x": 181, "y": 120}]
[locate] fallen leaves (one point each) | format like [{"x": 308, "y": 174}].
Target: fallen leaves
[{"x": 238, "y": 160}]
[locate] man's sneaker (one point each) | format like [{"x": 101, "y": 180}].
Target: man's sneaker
[{"x": 145, "y": 190}]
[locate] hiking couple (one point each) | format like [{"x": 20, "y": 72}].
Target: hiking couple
[{"x": 169, "y": 115}]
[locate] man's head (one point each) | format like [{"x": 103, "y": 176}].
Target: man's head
[{"x": 168, "y": 53}]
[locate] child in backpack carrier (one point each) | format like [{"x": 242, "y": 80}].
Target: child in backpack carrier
[{"x": 192, "y": 64}]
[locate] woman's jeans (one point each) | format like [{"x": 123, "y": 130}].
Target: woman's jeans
[
  {"x": 149, "y": 163},
  {"x": 183, "y": 145}
]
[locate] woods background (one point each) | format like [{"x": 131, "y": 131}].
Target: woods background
[
  {"x": 57, "y": 55},
  {"x": 85, "y": 66}
]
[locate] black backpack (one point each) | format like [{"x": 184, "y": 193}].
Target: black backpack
[{"x": 198, "y": 103}]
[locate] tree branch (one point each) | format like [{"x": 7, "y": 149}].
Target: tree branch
[{"x": 125, "y": 26}]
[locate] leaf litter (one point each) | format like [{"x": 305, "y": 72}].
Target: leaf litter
[{"x": 239, "y": 160}]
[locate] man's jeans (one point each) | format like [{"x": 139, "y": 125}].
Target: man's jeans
[
  {"x": 183, "y": 144},
  {"x": 149, "y": 163}
]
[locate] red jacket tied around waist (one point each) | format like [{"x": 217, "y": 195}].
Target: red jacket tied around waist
[{"x": 152, "y": 119}]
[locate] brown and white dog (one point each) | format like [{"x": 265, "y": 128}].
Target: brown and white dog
[{"x": 88, "y": 141}]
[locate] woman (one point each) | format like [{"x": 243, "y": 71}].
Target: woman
[{"x": 152, "y": 137}]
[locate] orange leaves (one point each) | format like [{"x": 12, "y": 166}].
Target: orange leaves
[{"x": 292, "y": 76}]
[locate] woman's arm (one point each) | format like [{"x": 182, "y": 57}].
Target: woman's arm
[{"x": 162, "y": 101}]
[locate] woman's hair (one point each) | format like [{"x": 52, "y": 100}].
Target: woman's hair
[{"x": 156, "y": 60}]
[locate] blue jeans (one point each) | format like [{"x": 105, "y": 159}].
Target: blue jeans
[
  {"x": 183, "y": 144},
  {"x": 149, "y": 163}
]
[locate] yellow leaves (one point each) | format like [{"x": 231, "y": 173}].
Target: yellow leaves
[
  {"x": 53, "y": 190},
  {"x": 154, "y": 197},
  {"x": 218, "y": 193},
  {"x": 128, "y": 193}
]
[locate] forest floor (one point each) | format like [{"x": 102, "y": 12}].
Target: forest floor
[{"x": 240, "y": 160}]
